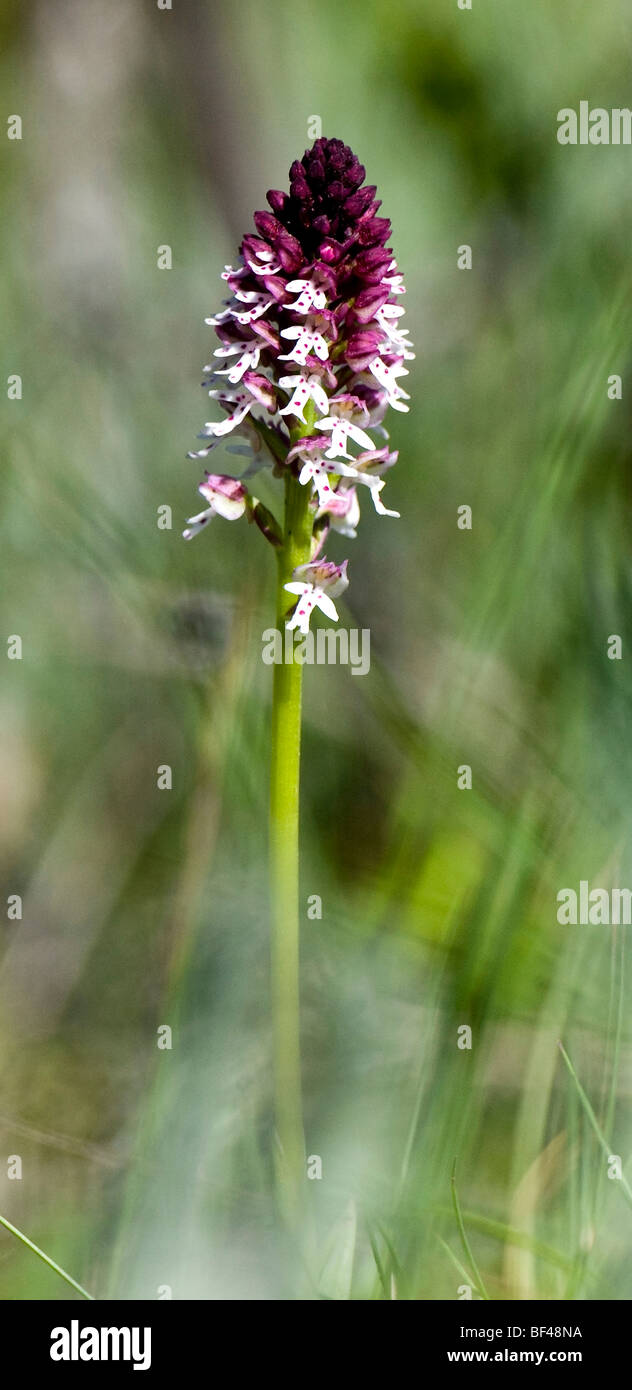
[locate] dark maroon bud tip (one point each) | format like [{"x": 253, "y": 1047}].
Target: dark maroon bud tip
[
  {"x": 326, "y": 216},
  {"x": 274, "y": 286},
  {"x": 262, "y": 390},
  {"x": 299, "y": 188},
  {"x": 288, "y": 250},
  {"x": 369, "y": 301},
  {"x": 360, "y": 201},
  {"x": 267, "y": 225},
  {"x": 277, "y": 199},
  {"x": 331, "y": 251},
  {"x": 287, "y": 241},
  {"x": 356, "y": 174},
  {"x": 373, "y": 259},
  {"x": 367, "y": 341},
  {"x": 253, "y": 246},
  {"x": 374, "y": 232}
]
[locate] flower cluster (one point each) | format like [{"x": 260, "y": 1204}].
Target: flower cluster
[{"x": 311, "y": 355}]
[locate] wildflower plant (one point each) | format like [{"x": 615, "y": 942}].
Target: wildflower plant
[{"x": 311, "y": 354}]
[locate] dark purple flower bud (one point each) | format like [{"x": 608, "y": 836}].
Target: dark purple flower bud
[
  {"x": 274, "y": 286},
  {"x": 261, "y": 389},
  {"x": 267, "y": 225},
  {"x": 358, "y": 203},
  {"x": 289, "y": 251},
  {"x": 278, "y": 201},
  {"x": 372, "y": 398},
  {"x": 370, "y": 261},
  {"x": 268, "y": 333},
  {"x": 355, "y": 174},
  {"x": 331, "y": 251},
  {"x": 371, "y": 210},
  {"x": 299, "y": 188},
  {"x": 336, "y": 156},
  {"x": 231, "y": 332},
  {"x": 375, "y": 232},
  {"x": 362, "y": 347},
  {"x": 368, "y": 302},
  {"x": 252, "y": 247}
]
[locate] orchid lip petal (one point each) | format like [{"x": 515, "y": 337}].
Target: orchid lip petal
[
  {"x": 327, "y": 607},
  {"x": 195, "y": 524},
  {"x": 263, "y": 269}
]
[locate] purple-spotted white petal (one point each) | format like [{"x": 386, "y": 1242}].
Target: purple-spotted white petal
[{"x": 316, "y": 584}]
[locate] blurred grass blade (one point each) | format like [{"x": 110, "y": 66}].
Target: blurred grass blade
[
  {"x": 396, "y": 1279},
  {"x": 464, "y": 1240},
  {"x": 337, "y": 1272},
  {"x": 382, "y": 1276},
  {"x": 508, "y": 1235},
  {"x": 52, "y": 1264},
  {"x": 467, "y": 1276},
  {"x": 606, "y": 1147}
]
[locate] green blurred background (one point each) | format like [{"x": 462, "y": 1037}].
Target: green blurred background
[{"x": 144, "y": 1168}]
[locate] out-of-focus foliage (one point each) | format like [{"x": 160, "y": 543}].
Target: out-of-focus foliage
[{"x": 141, "y": 1167}]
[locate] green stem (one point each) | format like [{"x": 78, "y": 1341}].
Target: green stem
[
  {"x": 46, "y": 1258},
  {"x": 284, "y": 857},
  {"x": 464, "y": 1240},
  {"x": 605, "y": 1145}
]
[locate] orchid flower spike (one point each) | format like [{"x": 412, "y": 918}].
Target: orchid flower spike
[{"x": 311, "y": 355}]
